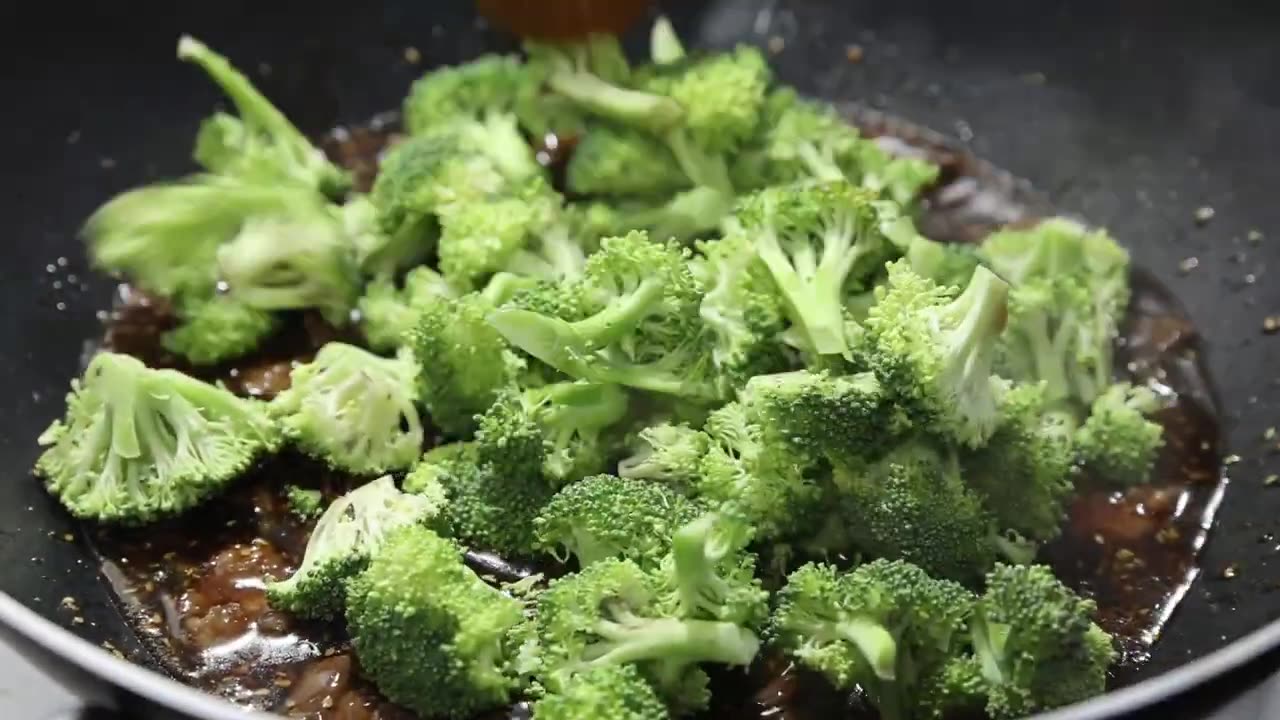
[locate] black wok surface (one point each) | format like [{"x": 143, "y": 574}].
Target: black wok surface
[{"x": 1130, "y": 114}]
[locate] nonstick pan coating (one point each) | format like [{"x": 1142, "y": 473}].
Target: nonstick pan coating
[{"x": 1131, "y": 115}]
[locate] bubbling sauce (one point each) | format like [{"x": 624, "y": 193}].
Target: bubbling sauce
[{"x": 193, "y": 586}]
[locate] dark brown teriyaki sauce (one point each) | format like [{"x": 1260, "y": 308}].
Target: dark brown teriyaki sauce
[{"x": 193, "y": 586}]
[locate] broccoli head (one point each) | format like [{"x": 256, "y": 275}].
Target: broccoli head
[
  {"x": 572, "y": 418},
  {"x": 219, "y": 328},
  {"x": 823, "y": 414},
  {"x": 722, "y": 95},
  {"x": 388, "y": 313},
  {"x": 138, "y": 444},
  {"x": 666, "y": 452},
  {"x": 886, "y": 626},
  {"x": 428, "y": 631},
  {"x": 616, "y": 692},
  {"x": 354, "y": 410},
  {"x": 712, "y": 574},
  {"x": 471, "y": 90},
  {"x": 261, "y": 144},
  {"x": 605, "y": 516},
  {"x": 1118, "y": 441},
  {"x": 351, "y": 530},
  {"x": 615, "y": 160},
  {"x": 936, "y": 350}
]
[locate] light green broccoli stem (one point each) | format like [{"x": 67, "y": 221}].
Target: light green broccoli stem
[
  {"x": 664, "y": 43},
  {"x": 631, "y": 639}
]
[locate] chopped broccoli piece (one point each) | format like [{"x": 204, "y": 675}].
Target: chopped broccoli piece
[
  {"x": 283, "y": 263},
  {"x": 711, "y": 573},
  {"x": 305, "y": 503},
  {"x": 165, "y": 237},
  {"x": 490, "y": 83},
  {"x": 819, "y": 242},
  {"x": 934, "y": 351},
  {"x": 671, "y": 453},
  {"x": 1117, "y": 440},
  {"x": 215, "y": 329},
  {"x": 912, "y": 505},
  {"x": 640, "y": 326},
  {"x": 722, "y": 95},
  {"x": 354, "y": 410},
  {"x": 885, "y": 626},
  {"x": 1035, "y": 643},
  {"x": 947, "y": 264},
  {"x": 350, "y": 532},
  {"x": 616, "y": 692},
  {"x": 388, "y": 313},
  {"x": 1025, "y": 471},
  {"x": 822, "y": 414},
  {"x": 429, "y": 632},
  {"x": 605, "y": 516},
  {"x": 615, "y": 160},
  {"x": 464, "y": 362},
  {"x": 569, "y": 420},
  {"x": 260, "y": 145},
  {"x": 137, "y": 444}
]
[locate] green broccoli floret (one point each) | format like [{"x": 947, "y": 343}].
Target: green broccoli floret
[
  {"x": 463, "y": 361},
  {"x": 743, "y": 308},
  {"x": 304, "y": 503},
  {"x": 430, "y": 633},
  {"x": 666, "y": 452},
  {"x": 566, "y": 423},
  {"x": 388, "y": 313},
  {"x": 261, "y": 144},
  {"x": 935, "y": 351},
  {"x": 611, "y": 614},
  {"x": 722, "y": 95},
  {"x": 605, "y": 516},
  {"x": 490, "y": 83},
  {"x": 616, "y": 692},
  {"x": 1025, "y": 471},
  {"x": 619, "y": 161},
  {"x": 137, "y": 444},
  {"x": 712, "y": 574},
  {"x": 819, "y": 243},
  {"x": 353, "y": 409},
  {"x": 912, "y": 505},
  {"x": 165, "y": 237},
  {"x": 438, "y": 466},
  {"x": 527, "y": 235},
  {"x": 350, "y": 532},
  {"x": 885, "y": 627},
  {"x": 640, "y": 325},
  {"x": 823, "y": 414},
  {"x": 1118, "y": 441},
  {"x": 1035, "y": 643},
  {"x": 292, "y": 262},
  {"x": 211, "y": 330},
  {"x": 752, "y": 472},
  {"x": 1070, "y": 291},
  {"x": 947, "y": 264}
]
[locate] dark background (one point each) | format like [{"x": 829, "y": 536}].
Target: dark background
[{"x": 1129, "y": 114}]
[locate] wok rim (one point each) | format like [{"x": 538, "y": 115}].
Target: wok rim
[{"x": 174, "y": 695}]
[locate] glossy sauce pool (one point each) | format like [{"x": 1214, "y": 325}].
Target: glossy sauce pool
[{"x": 193, "y": 587}]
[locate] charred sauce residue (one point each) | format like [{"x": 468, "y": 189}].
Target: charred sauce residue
[{"x": 193, "y": 587}]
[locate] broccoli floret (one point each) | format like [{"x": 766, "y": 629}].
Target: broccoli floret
[
  {"x": 823, "y": 414},
  {"x": 886, "y": 627},
  {"x": 711, "y": 573},
  {"x": 618, "y": 161},
  {"x": 220, "y": 328},
  {"x": 137, "y": 444},
  {"x": 947, "y": 264},
  {"x": 527, "y": 235},
  {"x": 294, "y": 262},
  {"x": 304, "y": 503},
  {"x": 438, "y": 466},
  {"x": 1070, "y": 292},
  {"x": 616, "y": 692},
  {"x": 640, "y": 325},
  {"x": 819, "y": 243},
  {"x": 350, "y": 532},
  {"x": 165, "y": 237},
  {"x": 490, "y": 83},
  {"x": 755, "y": 475},
  {"x": 610, "y": 614},
  {"x": 610, "y": 517},
  {"x": 261, "y": 144},
  {"x": 388, "y": 313},
  {"x": 670, "y": 453},
  {"x": 1118, "y": 441},
  {"x": 429, "y": 632},
  {"x": 912, "y": 505},
  {"x": 741, "y": 305},
  {"x": 463, "y": 361},
  {"x": 1025, "y": 471},
  {"x": 722, "y": 95},
  {"x": 1035, "y": 643},
  {"x": 353, "y": 409},
  {"x": 934, "y": 350}
]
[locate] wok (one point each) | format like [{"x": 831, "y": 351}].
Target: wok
[{"x": 1132, "y": 115}]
